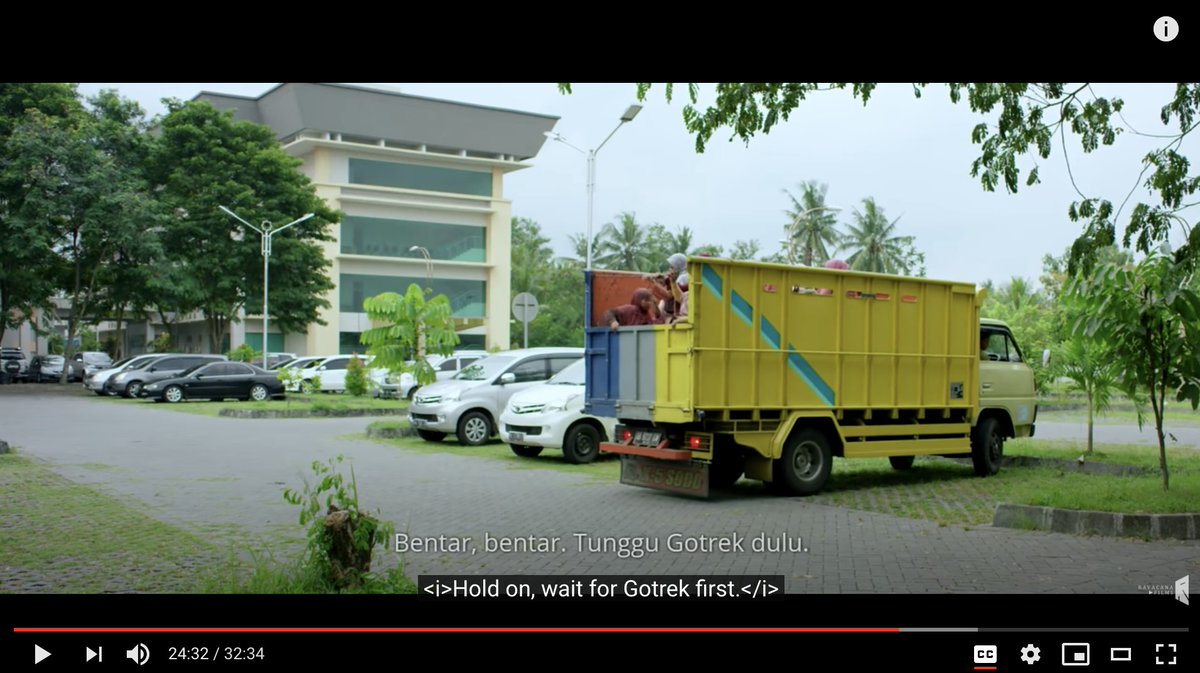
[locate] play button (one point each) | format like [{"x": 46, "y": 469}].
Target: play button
[{"x": 39, "y": 654}]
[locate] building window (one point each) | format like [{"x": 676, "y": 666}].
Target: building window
[
  {"x": 412, "y": 176},
  {"x": 468, "y": 298},
  {"x": 393, "y": 238},
  {"x": 348, "y": 343},
  {"x": 254, "y": 340}
]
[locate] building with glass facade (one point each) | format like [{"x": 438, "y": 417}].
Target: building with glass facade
[{"x": 406, "y": 171}]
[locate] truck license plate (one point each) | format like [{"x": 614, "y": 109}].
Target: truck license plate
[{"x": 689, "y": 478}]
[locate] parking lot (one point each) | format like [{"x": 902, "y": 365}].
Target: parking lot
[{"x": 224, "y": 478}]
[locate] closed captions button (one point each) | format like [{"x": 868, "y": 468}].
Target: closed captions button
[{"x": 1166, "y": 28}]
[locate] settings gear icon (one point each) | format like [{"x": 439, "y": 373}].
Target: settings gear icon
[{"x": 1030, "y": 654}]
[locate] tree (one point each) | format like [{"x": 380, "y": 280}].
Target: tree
[
  {"x": 744, "y": 249},
  {"x": 1149, "y": 318},
  {"x": 91, "y": 202},
  {"x": 623, "y": 246},
  {"x": 531, "y": 256},
  {"x": 1091, "y": 369},
  {"x": 872, "y": 241},
  {"x": 357, "y": 381},
  {"x": 709, "y": 250},
  {"x": 414, "y": 325},
  {"x": 811, "y": 229},
  {"x": 204, "y": 160},
  {"x": 560, "y": 319},
  {"x": 680, "y": 241},
  {"x": 27, "y": 255},
  {"x": 1028, "y": 116}
]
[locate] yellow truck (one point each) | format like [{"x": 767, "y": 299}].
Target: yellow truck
[{"x": 777, "y": 369}]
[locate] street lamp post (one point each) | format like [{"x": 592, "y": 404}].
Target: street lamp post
[
  {"x": 630, "y": 113},
  {"x": 428, "y": 265},
  {"x": 267, "y": 233},
  {"x": 791, "y": 240}
]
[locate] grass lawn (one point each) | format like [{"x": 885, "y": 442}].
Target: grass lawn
[
  {"x": 294, "y": 401},
  {"x": 57, "y": 536},
  {"x": 950, "y": 494},
  {"x": 1176, "y": 416}
]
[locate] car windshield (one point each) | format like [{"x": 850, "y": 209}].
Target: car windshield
[
  {"x": 573, "y": 375},
  {"x": 121, "y": 363},
  {"x": 96, "y": 358},
  {"x": 52, "y": 360},
  {"x": 140, "y": 363},
  {"x": 191, "y": 370},
  {"x": 484, "y": 369}
]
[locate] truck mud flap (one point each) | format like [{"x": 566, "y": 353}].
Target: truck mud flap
[{"x": 688, "y": 478}]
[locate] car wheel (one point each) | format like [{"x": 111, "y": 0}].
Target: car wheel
[
  {"x": 259, "y": 392},
  {"x": 474, "y": 428},
  {"x": 582, "y": 444},
  {"x": 526, "y": 451},
  {"x": 431, "y": 435},
  {"x": 901, "y": 463},
  {"x": 987, "y": 447},
  {"x": 173, "y": 394},
  {"x": 806, "y": 462},
  {"x": 133, "y": 389},
  {"x": 101, "y": 393}
]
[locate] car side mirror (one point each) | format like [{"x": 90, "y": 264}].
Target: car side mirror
[
  {"x": 199, "y": 377},
  {"x": 508, "y": 378},
  {"x": 154, "y": 369},
  {"x": 321, "y": 368}
]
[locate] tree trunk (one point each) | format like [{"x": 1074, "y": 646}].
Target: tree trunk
[{"x": 1090, "y": 407}]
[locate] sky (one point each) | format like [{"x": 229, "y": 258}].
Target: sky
[{"x": 913, "y": 156}]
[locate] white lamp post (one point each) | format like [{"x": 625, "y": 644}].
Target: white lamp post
[
  {"x": 267, "y": 233},
  {"x": 630, "y": 113}
]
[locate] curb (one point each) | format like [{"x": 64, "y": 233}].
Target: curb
[
  {"x": 310, "y": 413},
  {"x": 1081, "y": 522},
  {"x": 391, "y": 433},
  {"x": 1109, "y": 469}
]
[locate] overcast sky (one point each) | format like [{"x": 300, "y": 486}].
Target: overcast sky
[{"x": 912, "y": 155}]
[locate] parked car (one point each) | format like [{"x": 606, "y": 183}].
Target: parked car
[
  {"x": 470, "y": 403},
  {"x": 332, "y": 371},
  {"x": 216, "y": 381},
  {"x": 276, "y": 360},
  {"x": 19, "y": 371},
  {"x": 550, "y": 416},
  {"x": 129, "y": 383},
  {"x": 300, "y": 362},
  {"x": 101, "y": 382},
  {"x": 405, "y": 385},
  {"x": 46, "y": 368},
  {"x": 92, "y": 362}
]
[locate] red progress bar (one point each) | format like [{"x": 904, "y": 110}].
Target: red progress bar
[
  {"x": 985, "y": 668},
  {"x": 452, "y": 630}
]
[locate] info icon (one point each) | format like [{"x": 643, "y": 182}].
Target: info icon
[{"x": 1076, "y": 654}]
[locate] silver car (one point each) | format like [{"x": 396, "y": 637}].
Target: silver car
[{"x": 469, "y": 404}]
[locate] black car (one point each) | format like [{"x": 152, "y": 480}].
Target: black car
[{"x": 216, "y": 381}]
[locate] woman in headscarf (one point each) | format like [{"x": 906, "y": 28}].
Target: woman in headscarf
[
  {"x": 665, "y": 286},
  {"x": 639, "y": 311}
]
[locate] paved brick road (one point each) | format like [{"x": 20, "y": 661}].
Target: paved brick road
[{"x": 224, "y": 477}]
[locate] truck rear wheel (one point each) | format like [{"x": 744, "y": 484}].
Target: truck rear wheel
[
  {"x": 805, "y": 464},
  {"x": 987, "y": 447},
  {"x": 901, "y": 463}
]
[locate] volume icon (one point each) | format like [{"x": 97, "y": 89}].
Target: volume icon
[{"x": 140, "y": 654}]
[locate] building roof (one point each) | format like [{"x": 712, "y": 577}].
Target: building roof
[{"x": 391, "y": 116}]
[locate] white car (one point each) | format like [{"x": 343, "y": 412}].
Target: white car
[
  {"x": 332, "y": 371},
  {"x": 469, "y": 404},
  {"x": 550, "y": 416},
  {"x": 405, "y": 386},
  {"x": 99, "y": 381}
]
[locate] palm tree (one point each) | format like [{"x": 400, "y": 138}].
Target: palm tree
[
  {"x": 623, "y": 246},
  {"x": 680, "y": 241},
  {"x": 1017, "y": 294},
  {"x": 811, "y": 224},
  {"x": 875, "y": 247}
]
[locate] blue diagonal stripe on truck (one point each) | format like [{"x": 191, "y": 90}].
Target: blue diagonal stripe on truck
[
  {"x": 741, "y": 307},
  {"x": 799, "y": 365},
  {"x": 769, "y": 333},
  {"x": 712, "y": 281}
]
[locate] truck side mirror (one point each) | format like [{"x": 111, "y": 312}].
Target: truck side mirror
[{"x": 1046, "y": 358}]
